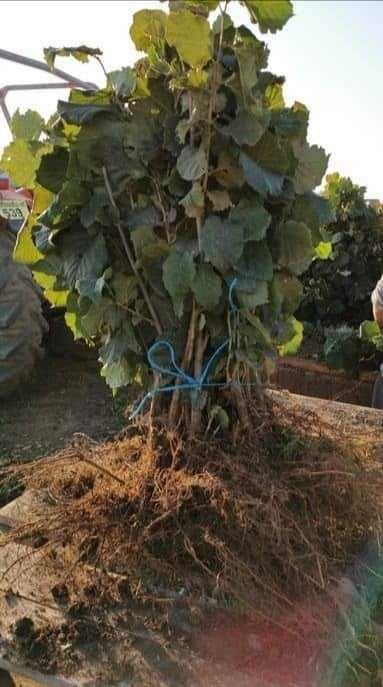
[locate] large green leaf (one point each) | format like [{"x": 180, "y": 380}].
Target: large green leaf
[
  {"x": 52, "y": 170},
  {"x": 123, "y": 81},
  {"x": 247, "y": 128},
  {"x": 252, "y": 56},
  {"x": 191, "y": 36},
  {"x": 28, "y": 125},
  {"x": 270, "y": 153},
  {"x": 178, "y": 275},
  {"x": 294, "y": 244},
  {"x": 253, "y": 218},
  {"x": 229, "y": 173},
  {"x": 83, "y": 258},
  {"x": 256, "y": 264},
  {"x": 286, "y": 293},
  {"x": 148, "y": 28},
  {"x": 192, "y": 163},
  {"x": 270, "y": 15},
  {"x": 21, "y": 160},
  {"x": 207, "y": 287},
  {"x": 222, "y": 242},
  {"x": 261, "y": 180},
  {"x": 82, "y": 113},
  {"x": 312, "y": 165},
  {"x": 220, "y": 200},
  {"x": 256, "y": 294}
]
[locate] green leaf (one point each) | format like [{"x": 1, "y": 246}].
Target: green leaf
[
  {"x": 227, "y": 23},
  {"x": 221, "y": 242},
  {"x": 178, "y": 275},
  {"x": 28, "y": 125},
  {"x": 370, "y": 331},
  {"x": 229, "y": 173},
  {"x": 220, "y": 200},
  {"x": 261, "y": 180},
  {"x": 124, "y": 287},
  {"x": 82, "y": 113},
  {"x": 292, "y": 346},
  {"x": 123, "y": 81},
  {"x": 101, "y": 97},
  {"x": 256, "y": 264},
  {"x": 25, "y": 250},
  {"x": 259, "y": 331},
  {"x": 254, "y": 219},
  {"x": 207, "y": 287},
  {"x": 191, "y": 36},
  {"x": 51, "y": 173},
  {"x": 314, "y": 211},
  {"x": 312, "y": 165},
  {"x": 85, "y": 260},
  {"x": 80, "y": 53},
  {"x": 294, "y": 245},
  {"x": 252, "y": 56},
  {"x": 258, "y": 295},
  {"x": 57, "y": 298},
  {"x": 270, "y": 15},
  {"x": 20, "y": 160},
  {"x": 270, "y": 153},
  {"x": 342, "y": 349},
  {"x": 91, "y": 288},
  {"x": 192, "y": 163},
  {"x": 202, "y": 7},
  {"x": 286, "y": 293},
  {"x": 148, "y": 28},
  {"x": 194, "y": 201},
  {"x": 274, "y": 97},
  {"x": 247, "y": 128},
  {"x": 323, "y": 250}
]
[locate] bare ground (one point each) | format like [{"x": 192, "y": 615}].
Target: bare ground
[{"x": 65, "y": 396}]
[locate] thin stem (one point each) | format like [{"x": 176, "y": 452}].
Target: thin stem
[
  {"x": 173, "y": 411},
  {"x": 101, "y": 468},
  {"x": 130, "y": 257},
  {"x": 99, "y": 60},
  {"x": 212, "y": 101}
]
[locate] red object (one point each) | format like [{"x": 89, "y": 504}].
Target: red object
[
  {"x": 7, "y": 192},
  {"x": 260, "y": 652}
]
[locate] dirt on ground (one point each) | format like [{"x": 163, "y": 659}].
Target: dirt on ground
[{"x": 65, "y": 395}]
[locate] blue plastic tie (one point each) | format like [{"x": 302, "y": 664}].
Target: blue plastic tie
[{"x": 188, "y": 382}]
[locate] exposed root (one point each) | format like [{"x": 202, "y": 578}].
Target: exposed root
[{"x": 170, "y": 524}]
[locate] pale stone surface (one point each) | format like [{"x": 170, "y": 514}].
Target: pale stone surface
[{"x": 21, "y": 509}]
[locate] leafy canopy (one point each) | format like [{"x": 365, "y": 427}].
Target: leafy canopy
[{"x": 183, "y": 173}]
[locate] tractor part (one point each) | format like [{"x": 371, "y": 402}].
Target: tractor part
[{"x": 22, "y": 324}]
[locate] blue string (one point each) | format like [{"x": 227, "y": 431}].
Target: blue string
[{"x": 195, "y": 384}]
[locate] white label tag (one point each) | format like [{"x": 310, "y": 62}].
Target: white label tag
[{"x": 14, "y": 209}]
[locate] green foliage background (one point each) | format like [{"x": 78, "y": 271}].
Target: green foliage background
[{"x": 337, "y": 292}]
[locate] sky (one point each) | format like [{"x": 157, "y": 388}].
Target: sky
[{"x": 331, "y": 53}]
